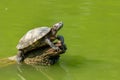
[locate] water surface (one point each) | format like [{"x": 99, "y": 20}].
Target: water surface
[{"x": 91, "y": 31}]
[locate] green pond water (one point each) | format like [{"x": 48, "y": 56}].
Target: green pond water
[{"x": 91, "y": 30}]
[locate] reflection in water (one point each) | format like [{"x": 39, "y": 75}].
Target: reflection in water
[
  {"x": 28, "y": 72},
  {"x": 63, "y": 70},
  {"x": 68, "y": 74},
  {"x": 21, "y": 77}
]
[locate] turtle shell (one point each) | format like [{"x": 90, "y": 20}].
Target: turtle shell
[{"x": 32, "y": 37}]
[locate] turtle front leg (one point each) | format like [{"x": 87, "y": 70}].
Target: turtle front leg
[
  {"x": 51, "y": 44},
  {"x": 20, "y": 56}
]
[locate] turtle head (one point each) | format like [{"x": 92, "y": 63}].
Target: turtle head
[{"x": 56, "y": 27}]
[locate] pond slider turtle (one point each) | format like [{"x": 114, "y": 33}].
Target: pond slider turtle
[{"x": 37, "y": 38}]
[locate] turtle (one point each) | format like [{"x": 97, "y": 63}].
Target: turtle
[{"x": 38, "y": 37}]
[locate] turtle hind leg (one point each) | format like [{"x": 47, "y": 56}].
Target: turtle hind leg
[{"x": 20, "y": 56}]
